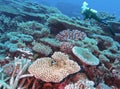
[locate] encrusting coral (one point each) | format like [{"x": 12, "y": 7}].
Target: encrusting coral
[{"x": 54, "y": 69}]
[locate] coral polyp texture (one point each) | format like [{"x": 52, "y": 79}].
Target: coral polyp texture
[
  {"x": 53, "y": 69},
  {"x": 67, "y": 35}
]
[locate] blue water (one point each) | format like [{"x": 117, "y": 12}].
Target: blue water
[{"x": 72, "y": 7}]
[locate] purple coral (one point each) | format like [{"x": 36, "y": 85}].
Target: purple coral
[
  {"x": 67, "y": 35},
  {"x": 66, "y": 47}
]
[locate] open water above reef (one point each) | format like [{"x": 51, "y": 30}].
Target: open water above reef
[{"x": 68, "y": 6}]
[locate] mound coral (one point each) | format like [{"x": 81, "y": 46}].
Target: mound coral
[
  {"x": 42, "y": 49},
  {"x": 85, "y": 56},
  {"x": 53, "y": 69}
]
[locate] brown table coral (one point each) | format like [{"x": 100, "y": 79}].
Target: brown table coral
[{"x": 53, "y": 69}]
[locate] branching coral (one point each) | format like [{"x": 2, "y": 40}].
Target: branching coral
[
  {"x": 68, "y": 35},
  {"x": 81, "y": 84},
  {"x": 66, "y": 47},
  {"x": 17, "y": 74}
]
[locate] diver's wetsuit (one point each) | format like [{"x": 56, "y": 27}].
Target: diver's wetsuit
[{"x": 89, "y": 14}]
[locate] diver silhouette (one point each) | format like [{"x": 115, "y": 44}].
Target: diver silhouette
[{"x": 91, "y": 13}]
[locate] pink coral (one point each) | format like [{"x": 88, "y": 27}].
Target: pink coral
[
  {"x": 67, "y": 35},
  {"x": 81, "y": 84},
  {"x": 53, "y": 69},
  {"x": 66, "y": 47}
]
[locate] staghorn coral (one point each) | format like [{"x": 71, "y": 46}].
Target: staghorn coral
[
  {"x": 21, "y": 66},
  {"x": 68, "y": 35},
  {"x": 53, "y": 69}
]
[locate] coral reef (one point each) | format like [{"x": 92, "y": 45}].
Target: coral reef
[{"x": 40, "y": 48}]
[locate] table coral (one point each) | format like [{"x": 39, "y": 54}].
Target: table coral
[
  {"x": 53, "y": 69},
  {"x": 85, "y": 56}
]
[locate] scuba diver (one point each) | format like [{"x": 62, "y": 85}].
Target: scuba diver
[{"x": 91, "y": 13}]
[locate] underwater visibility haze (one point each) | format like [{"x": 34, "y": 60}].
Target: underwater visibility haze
[
  {"x": 56, "y": 44},
  {"x": 68, "y": 6}
]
